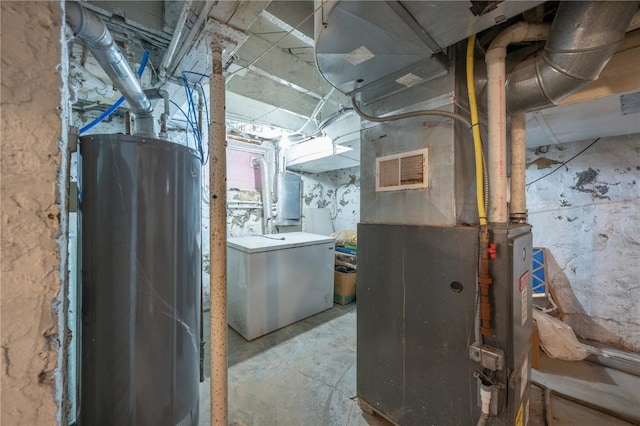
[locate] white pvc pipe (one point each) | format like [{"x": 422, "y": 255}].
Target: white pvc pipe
[
  {"x": 518, "y": 167},
  {"x": 485, "y": 398},
  {"x": 497, "y": 112},
  {"x": 218, "y": 241}
]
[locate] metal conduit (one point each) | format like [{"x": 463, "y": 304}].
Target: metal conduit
[
  {"x": 583, "y": 37},
  {"x": 89, "y": 28}
]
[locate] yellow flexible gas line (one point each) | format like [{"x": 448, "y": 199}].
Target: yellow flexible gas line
[{"x": 477, "y": 144}]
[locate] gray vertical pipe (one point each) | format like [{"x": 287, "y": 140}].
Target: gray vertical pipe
[{"x": 218, "y": 241}]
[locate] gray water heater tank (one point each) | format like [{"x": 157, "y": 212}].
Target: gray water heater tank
[{"x": 140, "y": 214}]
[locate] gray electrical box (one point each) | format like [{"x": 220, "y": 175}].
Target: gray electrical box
[{"x": 290, "y": 199}]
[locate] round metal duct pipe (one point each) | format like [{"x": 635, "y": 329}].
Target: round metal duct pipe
[
  {"x": 583, "y": 37},
  {"x": 89, "y": 28}
]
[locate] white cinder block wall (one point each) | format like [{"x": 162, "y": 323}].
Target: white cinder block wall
[{"x": 588, "y": 214}]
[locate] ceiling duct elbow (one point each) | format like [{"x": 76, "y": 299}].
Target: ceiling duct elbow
[
  {"x": 89, "y": 28},
  {"x": 583, "y": 37}
]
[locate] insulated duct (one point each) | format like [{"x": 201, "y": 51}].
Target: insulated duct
[
  {"x": 266, "y": 194},
  {"x": 89, "y": 28},
  {"x": 583, "y": 37}
]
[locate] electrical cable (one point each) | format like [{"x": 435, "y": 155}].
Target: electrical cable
[
  {"x": 409, "y": 114},
  {"x": 206, "y": 105},
  {"x": 564, "y": 163},
  {"x": 196, "y": 73},
  {"x": 114, "y": 107},
  {"x": 192, "y": 110},
  {"x": 191, "y": 114}
]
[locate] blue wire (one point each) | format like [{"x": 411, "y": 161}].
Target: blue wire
[
  {"x": 197, "y": 73},
  {"x": 187, "y": 117},
  {"x": 103, "y": 116},
  {"x": 191, "y": 120},
  {"x": 192, "y": 110},
  {"x": 206, "y": 105},
  {"x": 189, "y": 96},
  {"x": 119, "y": 102},
  {"x": 189, "y": 123},
  {"x": 206, "y": 108},
  {"x": 143, "y": 63},
  {"x": 191, "y": 114},
  {"x": 192, "y": 103},
  {"x": 185, "y": 82}
]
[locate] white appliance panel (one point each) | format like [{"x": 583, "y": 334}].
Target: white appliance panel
[{"x": 270, "y": 289}]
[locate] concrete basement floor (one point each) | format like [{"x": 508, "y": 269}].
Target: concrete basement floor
[{"x": 305, "y": 375}]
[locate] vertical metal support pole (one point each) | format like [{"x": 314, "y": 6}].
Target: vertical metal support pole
[
  {"x": 218, "y": 241},
  {"x": 518, "y": 168}
]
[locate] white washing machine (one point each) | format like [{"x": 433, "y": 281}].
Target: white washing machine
[{"x": 278, "y": 279}]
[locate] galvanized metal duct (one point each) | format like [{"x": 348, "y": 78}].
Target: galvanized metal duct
[
  {"x": 583, "y": 37},
  {"x": 266, "y": 194},
  {"x": 93, "y": 32}
]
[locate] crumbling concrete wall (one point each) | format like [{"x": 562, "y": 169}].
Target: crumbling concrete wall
[
  {"x": 338, "y": 191},
  {"x": 588, "y": 214},
  {"x": 30, "y": 217}
]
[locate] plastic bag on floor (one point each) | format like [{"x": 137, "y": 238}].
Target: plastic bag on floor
[{"x": 558, "y": 340}]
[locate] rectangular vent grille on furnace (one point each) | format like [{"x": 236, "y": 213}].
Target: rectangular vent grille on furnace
[{"x": 407, "y": 170}]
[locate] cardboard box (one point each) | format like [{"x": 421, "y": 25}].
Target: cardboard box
[{"x": 344, "y": 287}]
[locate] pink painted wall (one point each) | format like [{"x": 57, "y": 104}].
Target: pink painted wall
[{"x": 240, "y": 173}]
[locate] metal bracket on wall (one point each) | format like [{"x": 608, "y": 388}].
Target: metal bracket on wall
[{"x": 489, "y": 357}]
